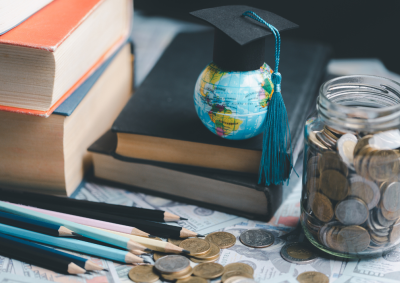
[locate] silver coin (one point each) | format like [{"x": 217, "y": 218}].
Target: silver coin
[
  {"x": 374, "y": 226},
  {"x": 258, "y": 238},
  {"x": 352, "y": 211},
  {"x": 299, "y": 253},
  {"x": 345, "y": 146},
  {"x": 326, "y": 142},
  {"x": 382, "y": 220},
  {"x": 391, "y": 197},
  {"x": 364, "y": 189},
  {"x": 172, "y": 263}
]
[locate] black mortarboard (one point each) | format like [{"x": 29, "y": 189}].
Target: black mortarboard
[{"x": 239, "y": 42}]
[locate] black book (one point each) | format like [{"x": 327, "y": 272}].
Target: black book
[{"x": 160, "y": 126}]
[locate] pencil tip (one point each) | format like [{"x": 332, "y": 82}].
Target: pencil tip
[
  {"x": 199, "y": 235},
  {"x": 151, "y": 236},
  {"x": 148, "y": 250},
  {"x": 146, "y": 261},
  {"x": 185, "y": 251},
  {"x": 105, "y": 269},
  {"x": 182, "y": 218},
  {"x": 76, "y": 234}
]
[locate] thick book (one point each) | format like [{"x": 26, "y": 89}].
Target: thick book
[
  {"x": 45, "y": 58},
  {"x": 160, "y": 126},
  {"x": 232, "y": 193},
  {"x": 50, "y": 154}
]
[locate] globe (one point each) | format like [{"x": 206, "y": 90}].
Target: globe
[{"x": 233, "y": 105}]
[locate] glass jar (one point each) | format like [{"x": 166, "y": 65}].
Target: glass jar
[{"x": 351, "y": 178}]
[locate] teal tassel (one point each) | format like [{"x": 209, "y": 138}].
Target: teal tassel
[{"x": 276, "y": 162}]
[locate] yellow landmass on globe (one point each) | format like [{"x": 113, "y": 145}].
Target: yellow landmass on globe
[
  {"x": 211, "y": 75},
  {"x": 224, "y": 124}
]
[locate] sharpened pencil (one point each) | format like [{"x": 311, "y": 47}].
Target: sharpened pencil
[
  {"x": 109, "y": 238},
  {"x": 35, "y": 225},
  {"x": 72, "y": 244},
  {"x": 157, "y": 229},
  {"x": 45, "y": 253},
  {"x": 121, "y": 210}
]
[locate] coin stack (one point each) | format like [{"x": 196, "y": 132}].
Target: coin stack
[
  {"x": 174, "y": 267},
  {"x": 351, "y": 191}
]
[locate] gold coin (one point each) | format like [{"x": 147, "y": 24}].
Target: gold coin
[
  {"x": 235, "y": 273},
  {"x": 175, "y": 242},
  {"x": 334, "y": 185},
  {"x": 330, "y": 160},
  {"x": 239, "y": 266},
  {"x": 197, "y": 260},
  {"x": 212, "y": 253},
  {"x": 193, "y": 279},
  {"x": 312, "y": 185},
  {"x": 321, "y": 207},
  {"x": 196, "y": 246},
  {"x": 331, "y": 237},
  {"x": 312, "y": 277},
  {"x": 178, "y": 275},
  {"x": 390, "y": 215},
  {"x": 384, "y": 165},
  {"x": 209, "y": 270},
  {"x": 352, "y": 239},
  {"x": 361, "y": 143},
  {"x": 143, "y": 273},
  {"x": 223, "y": 240},
  {"x": 314, "y": 142},
  {"x": 158, "y": 255},
  {"x": 337, "y": 132},
  {"x": 366, "y": 190},
  {"x": 394, "y": 234},
  {"x": 331, "y": 134}
]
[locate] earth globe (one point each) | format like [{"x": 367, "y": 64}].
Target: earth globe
[{"x": 233, "y": 105}]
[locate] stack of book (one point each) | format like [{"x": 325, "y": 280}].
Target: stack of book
[
  {"x": 65, "y": 74},
  {"x": 159, "y": 144}
]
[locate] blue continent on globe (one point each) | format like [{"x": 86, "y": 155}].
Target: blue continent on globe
[{"x": 233, "y": 105}]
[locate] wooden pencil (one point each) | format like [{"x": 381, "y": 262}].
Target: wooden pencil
[
  {"x": 91, "y": 222},
  {"x": 35, "y": 225},
  {"x": 157, "y": 229},
  {"x": 45, "y": 253},
  {"x": 156, "y": 245},
  {"x": 109, "y": 238},
  {"x": 72, "y": 244},
  {"x": 126, "y": 211}
]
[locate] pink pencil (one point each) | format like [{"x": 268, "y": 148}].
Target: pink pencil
[{"x": 90, "y": 222}]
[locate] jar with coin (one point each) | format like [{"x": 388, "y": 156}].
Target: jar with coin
[{"x": 350, "y": 204}]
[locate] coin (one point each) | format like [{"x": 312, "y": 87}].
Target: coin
[
  {"x": 312, "y": 166},
  {"x": 391, "y": 197},
  {"x": 361, "y": 143},
  {"x": 334, "y": 184},
  {"x": 193, "y": 279},
  {"x": 352, "y": 239},
  {"x": 312, "y": 277},
  {"x": 223, "y": 240},
  {"x": 143, "y": 273},
  {"x": 180, "y": 275},
  {"x": 321, "y": 207},
  {"x": 175, "y": 242},
  {"x": 345, "y": 146},
  {"x": 331, "y": 134},
  {"x": 390, "y": 215},
  {"x": 324, "y": 140},
  {"x": 239, "y": 266},
  {"x": 331, "y": 161},
  {"x": 361, "y": 161},
  {"x": 314, "y": 142},
  {"x": 330, "y": 237},
  {"x": 211, "y": 254},
  {"x": 352, "y": 211},
  {"x": 364, "y": 189},
  {"x": 312, "y": 185},
  {"x": 384, "y": 165},
  {"x": 208, "y": 270},
  {"x": 158, "y": 255},
  {"x": 382, "y": 220},
  {"x": 374, "y": 226},
  {"x": 239, "y": 279},
  {"x": 235, "y": 273},
  {"x": 298, "y": 253},
  {"x": 197, "y": 260},
  {"x": 172, "y": 263},
  {"x": 257, "y": 238},
  {"x": 336, "y": 132},
  {"x": 196, "y": 246},
  {"x": 395, "y": 232}
]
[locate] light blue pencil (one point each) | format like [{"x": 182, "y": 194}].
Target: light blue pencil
[
  {"x": 71, "y": 244},
  {"x": 89, "y": 232}
]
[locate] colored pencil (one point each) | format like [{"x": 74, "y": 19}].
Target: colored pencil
[
  {"x": 126, "y": 211},
  {"x": 109, "y": 238},
  {"x": 91, "y": 222},
  {"x": 156, "y": 245},
  {"x": 72, "y": 244},
  {"x": 35, "y": 225},
  {"x": 45, "y": 253},
  {"x": 158, "y": 229}
]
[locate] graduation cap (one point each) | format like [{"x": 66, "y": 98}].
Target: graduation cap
[
  {"x": 239, "y": 45},
  {"x": 239, "y": 41}
]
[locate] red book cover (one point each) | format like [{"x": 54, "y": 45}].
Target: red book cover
[{"x": 47, "y": 30}]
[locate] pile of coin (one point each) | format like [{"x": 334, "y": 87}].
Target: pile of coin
[
  {"x": 174, "y": 267},
  {"x": 351, "y": 191}
]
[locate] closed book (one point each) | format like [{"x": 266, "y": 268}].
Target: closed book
[
  {"x": 232, "y": 193},
  {"x": 159, "y": 125},
  {"x": 45, "y": 58},
  {"x": 50, "y": 154}
]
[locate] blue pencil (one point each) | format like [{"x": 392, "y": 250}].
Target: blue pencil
[
  {"x": 35, "y": 225},
  {"x": 72, "y": 244},
  {"x": 43, "y": 252}
]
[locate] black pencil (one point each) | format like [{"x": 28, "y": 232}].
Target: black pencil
[
  {"x": 153, "y": 228},
  {"x": 34, "y": 253},
  {"x": 126, "y": 211},
  {"x": 35, "y": 225}
]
